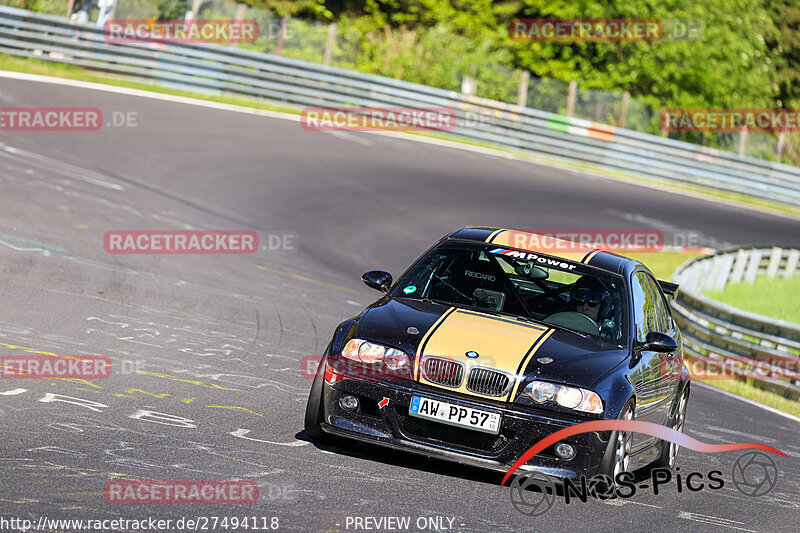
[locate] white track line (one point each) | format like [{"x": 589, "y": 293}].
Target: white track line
[
  {"x": 146, "y": 94},
  {"x": 664, "y": 188},
  {"x": 746, "y": 400},
  {"x": 706, "y": 519}
]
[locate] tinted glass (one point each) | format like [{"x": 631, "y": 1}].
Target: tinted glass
[
  {"x": 529, "y": 286},
  {"x": 663, "y": 316},
  {"x": 645, "y": 310}
]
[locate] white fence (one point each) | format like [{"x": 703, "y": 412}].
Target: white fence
[{"x": 719, "y": 335}]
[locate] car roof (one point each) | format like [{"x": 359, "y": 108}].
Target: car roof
[{"x": 546, "y": 245}]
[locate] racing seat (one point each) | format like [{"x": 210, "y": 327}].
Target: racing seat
[{"x": 483, "y": 281}]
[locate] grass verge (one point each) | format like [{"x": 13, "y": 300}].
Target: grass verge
[
  {"x": 746, "y": 390},
  {"x": 765, "y": 296},
  {"x": 61, "y": 70}
]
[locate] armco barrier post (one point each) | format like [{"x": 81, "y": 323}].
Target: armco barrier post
[
  {"x": 623, "y": 111},
  {"x": 572, "y": 97},
  {"x": 329, "y": 44},
  {"x": 522, "y": 93},
  {"x": 282, "y": 35}
]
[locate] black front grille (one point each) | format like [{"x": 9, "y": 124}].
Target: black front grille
[
  {"x": 489, "y": 382},
  {"x": 443, "y": 371},
  {"x": 445, "y": 434}
]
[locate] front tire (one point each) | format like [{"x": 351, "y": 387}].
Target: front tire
[
  {"x": 618, "y": 453},
  {"x": 315, "y": 413}
]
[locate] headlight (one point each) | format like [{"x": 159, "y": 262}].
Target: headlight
[
  {"x": 371, "y": 353},
  {"x": 396, "y": 361},
  {"x": 542, "y": 392},
  {"x": 569, "y": 397}
]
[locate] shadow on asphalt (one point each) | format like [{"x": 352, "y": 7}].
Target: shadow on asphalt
[{"x": 401, "y": 459}]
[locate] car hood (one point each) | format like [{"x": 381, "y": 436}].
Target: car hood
[
  {"x": 573, "y": 360},
  {"x": 522, "y": 349}
]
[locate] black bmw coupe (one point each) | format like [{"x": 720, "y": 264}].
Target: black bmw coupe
[{"x": 490, "y": 342}]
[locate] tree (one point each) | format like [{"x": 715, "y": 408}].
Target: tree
[{"x": 784, "y": 46}]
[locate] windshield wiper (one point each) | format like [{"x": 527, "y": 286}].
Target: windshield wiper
[{"x": 436, "y": 301}]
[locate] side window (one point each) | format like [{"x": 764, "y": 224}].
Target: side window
[
  {"x": 644, "y": 303},
  {"x": 662, "y": 307}
]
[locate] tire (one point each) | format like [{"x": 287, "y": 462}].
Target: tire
[
  {"x": 618, "y": 452},
  {"x": 314, "y": 408},
  {"x": 669, "y": 451}
]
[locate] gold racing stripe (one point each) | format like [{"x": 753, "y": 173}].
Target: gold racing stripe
[
  {"x": 502, "y": 344},
  {"x": 493, "y": 235},
  {"x": 532, "y": 242},
  {"x": 426, "y": 337},
  {"x": 589, "y": 256},
  {"x": 525, "y": 361}
]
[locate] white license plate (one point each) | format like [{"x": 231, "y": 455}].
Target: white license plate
[{"x": 455, "y": 415}]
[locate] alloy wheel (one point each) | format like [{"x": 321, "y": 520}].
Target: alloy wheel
[
  {"x": 677, "y": 424},
  {"x": 623, "y": 446}
]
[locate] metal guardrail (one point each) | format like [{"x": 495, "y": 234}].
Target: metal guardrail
[
  {"x": 717, "y": 335},
  {"x": 218, "y": 69}
]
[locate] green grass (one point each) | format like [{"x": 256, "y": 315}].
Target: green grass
[
  {"x": 751, "y": 392},
  {"x": 60, "y": 70},
  {"x": 769, "y": 297}
]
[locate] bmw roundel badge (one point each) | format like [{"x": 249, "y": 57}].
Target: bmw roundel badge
[{"x": 472, "y": 355}]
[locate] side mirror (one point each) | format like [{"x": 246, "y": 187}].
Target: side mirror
[
  {"x": 658, "y": 342},
  {"x": 377, "y": 279}
]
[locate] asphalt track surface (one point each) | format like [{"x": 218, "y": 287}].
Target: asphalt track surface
[{"x": 216, "y": 341}]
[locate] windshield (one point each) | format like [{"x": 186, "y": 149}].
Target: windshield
[{"x": 564, "y": 294}]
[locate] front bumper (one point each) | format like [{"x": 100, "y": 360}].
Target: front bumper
[{"x": 521, "y": 428}]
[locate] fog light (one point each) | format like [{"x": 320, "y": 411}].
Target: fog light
[
  {"x": 349, "y": 402},
  {"x": 565, "y": 451}
]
